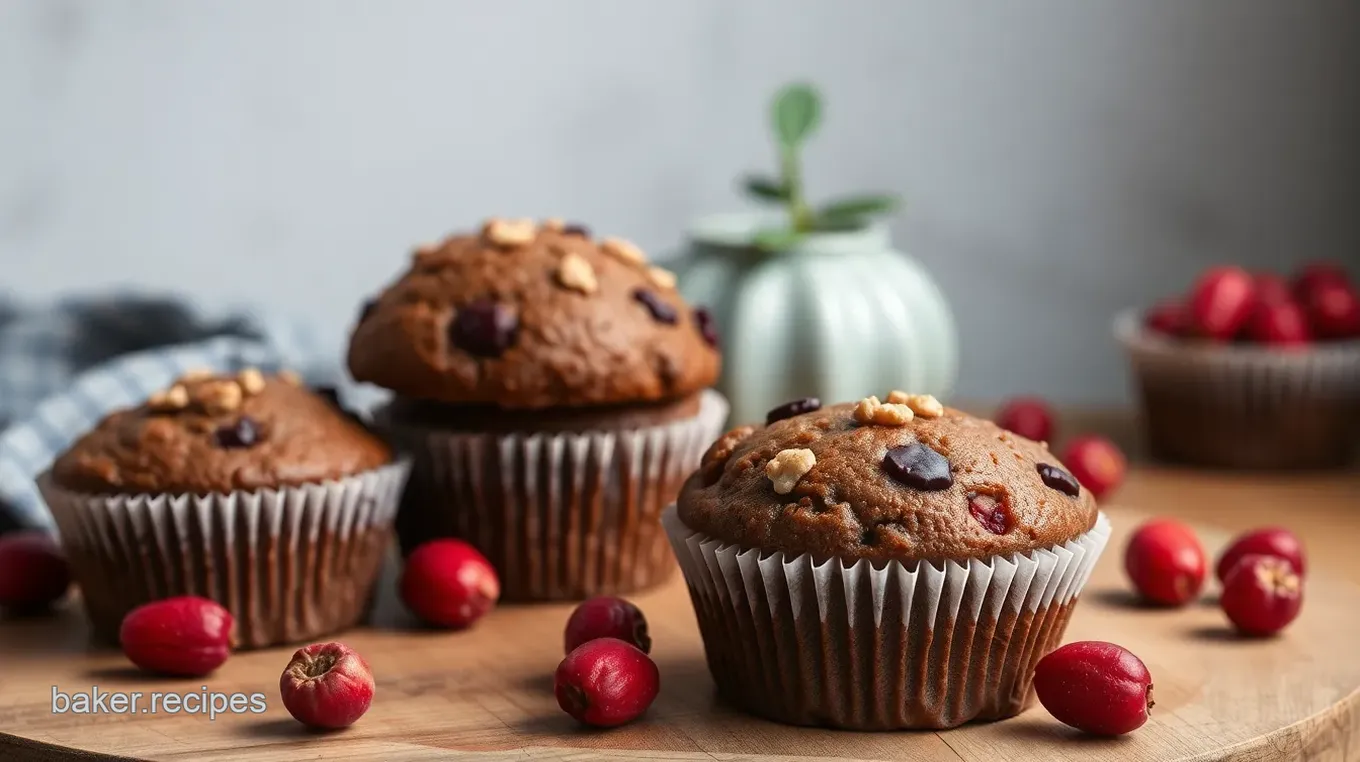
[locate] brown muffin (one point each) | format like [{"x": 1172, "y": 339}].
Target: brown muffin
[
  {"x": 881, "y": 565},
  {"x": 987, "y": 498},
  {"x": 246, "y": 489},
  {"x": 551, "y": 388},
  {"x": 523, "y": 315},
  {"x": 213, "y": 434}
]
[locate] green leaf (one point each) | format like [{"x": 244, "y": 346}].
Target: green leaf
[
  {"x": 843, "y": 224},
  {"x": 797, "y": 110},
  {"x": 858, "y": 206},
  {"x": 776, "y": 239},
  {"x": 767, "y": 189}
]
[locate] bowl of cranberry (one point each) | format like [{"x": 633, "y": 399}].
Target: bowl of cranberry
[{"x": 1251, "y": 370}]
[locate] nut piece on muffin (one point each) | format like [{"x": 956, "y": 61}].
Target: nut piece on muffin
[
  {"x": 553, "y": 389},
  {"x": 245, "y": 488},
  {"x": 929, "y": 552}
]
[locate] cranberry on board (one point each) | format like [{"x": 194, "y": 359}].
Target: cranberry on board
[
  {"x": 1030, "y": 417},
  {"x": 1272, "y": 288},
  {"x": 1165, "y": 562},
  {"x": 327, "y": 685},
  {"x": 1170, "y": 317},
  {"x": 449, "y": 584},
  {"x": 33, "y": 572},
  {"x": 606, "y": 682},
  {"x": 1221, "y": 301},
  {"x": 1266, "y": 541},
  {"x": 1097, "y": 687},
  {"x": 1314, "y": 273},
  {"x": 1261, "y": 595},
  {"x": 187, "y": 636},
  {"x": 1334, "y": 310},
  {"x": 607, "y": 617},
  {"x": 1278, "y": 324},
  {"x": 1097, "y": 463}
]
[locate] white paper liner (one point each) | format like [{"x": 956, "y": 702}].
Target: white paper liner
[
  {"x": 1245, "y": 406},
  {"x": 291, "y": 564},
  {"x": 865, "y": 648},
  {"x": 561, "y": 516}
]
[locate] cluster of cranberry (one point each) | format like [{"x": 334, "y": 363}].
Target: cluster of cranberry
[
  {"x": 606, "y": 679},
  {"x": 1320, "y": 303}
]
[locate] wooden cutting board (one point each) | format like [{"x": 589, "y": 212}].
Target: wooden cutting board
[{"x": 487, "y": 693}]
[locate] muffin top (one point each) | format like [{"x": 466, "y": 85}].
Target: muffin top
[
  {"x": 527, "y": 316},
  {"x": 906, "y": 479},
  {"x": 209, "y": 433}
]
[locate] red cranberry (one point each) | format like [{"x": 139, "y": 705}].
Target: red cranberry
[
  {"x": 1030, "y": 417},
  {"x": 1097, "y": 463},
  {"x": 707, "y": 325},
  {"x": 327, "y": 685},
  {"x": 484, "y": 328},
  {"x": 449, "y": 584},
  {"x": 1272, "y": 288},
  {"x": 576, "y": 230},
  {"x": 1165, "y": 562},
  {"x": 1058, "y": 479},
  {"x": 791, "y": 409},
  {"x": 241, "y": 434},
  {"x": 33, "y": 571},
  {"x": 1268, "y": 541},
  {"x": 1096, "y": 687},
  {"x": 606, "y": 682},
  {"x": 1262, "y": 595},
  {"x": 1220, "y": 302},
  {"x": 1278, "y": 324},
  {"x": 1314, "y": 274},
  {"x": 1334, "y": 311},
  {"x": 1170, "y": 317},
  {"x": 991, "y": 513},
  {"x": 607, "y": 617},
  {"x": 186, "y": 636}
]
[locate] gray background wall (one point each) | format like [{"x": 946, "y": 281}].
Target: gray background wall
[{"x": 1062, "y": 158}]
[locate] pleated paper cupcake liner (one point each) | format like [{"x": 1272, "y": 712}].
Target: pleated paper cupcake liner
[
  {"x": 561, "y": 516},
  {"x": 862, "y": 648},
  {"x": 291, "y": 564},
  {"x": 1245, "y": 406}
]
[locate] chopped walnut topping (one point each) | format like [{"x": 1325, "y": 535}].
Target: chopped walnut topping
[
  {"x": 925, "y": 405},
  {"x": 174, "y": 398},
  {"x": 555, "y": 224},
  {"x": 290, "y": 377},
  {"x": 575, "y": 273},
  {"x": 251, "y": 380},
  {"x": 510, "y": 232},
  {"x": 871, "y": 411},
  {"x": 624, "y": 250},
  {"x": 898, "y": 397},
  {"x": 219, "y": 396},
  {"x": 661, "y": 277},
  {"x": 786, "y": 468}
]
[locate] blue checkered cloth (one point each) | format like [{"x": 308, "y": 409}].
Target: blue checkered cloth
[{"x": 65, "y": 366}]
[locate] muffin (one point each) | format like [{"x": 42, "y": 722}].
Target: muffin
[
  {"x": 881, "y": 566},
  {"x": 1244, "y": 406},
  {"x": 250, "y": 490},
  {"x": 552, "y": 390}
]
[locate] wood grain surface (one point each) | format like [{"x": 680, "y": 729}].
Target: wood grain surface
[{"x": 487, "y": 693}]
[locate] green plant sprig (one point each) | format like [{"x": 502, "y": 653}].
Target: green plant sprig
[{"x": 795, "y": 116}]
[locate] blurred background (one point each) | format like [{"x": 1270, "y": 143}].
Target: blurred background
[{"x": 1060, "y": 159}]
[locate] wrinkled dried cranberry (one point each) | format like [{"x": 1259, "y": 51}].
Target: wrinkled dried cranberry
[
  {"x": 484, "y": 328},
  {"x": 661, "y": 312},
  {"x": 1058, "y": 479},
  {"x": 918, "y": 466},
  {"x": 708, "y": 328},
  {"x": 576, "y": 229},
  {"x": 991, "y": 513},
  {"x": 790, "y": 409},
  {"x": 243, "y": 433}
]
